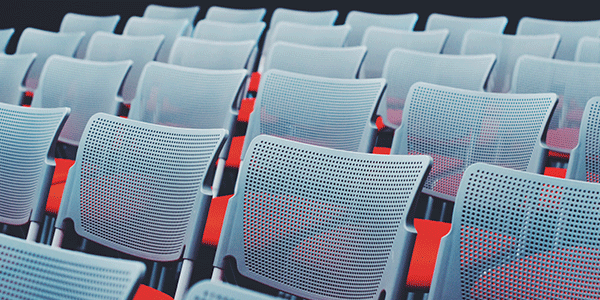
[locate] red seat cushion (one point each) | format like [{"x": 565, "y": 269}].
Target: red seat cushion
[
  {"x": 214, "y": 221},
  {"x": 425, "y": 252},
  {"x": 379, "y": 123},
  {"x": 381, "y": 150},
  {"x": 145, "y": 292},
  {"x": 54, "y": 198},
  {"x": 61, "y": 170},
  {"x": 254, "y": 82},
  {"x": 246, "y": 107},
  {"x": 235, "y": 152},
  {"x": 555, "y": 172}
]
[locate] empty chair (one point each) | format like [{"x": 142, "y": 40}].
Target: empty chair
[
  {"x": 13, "y": 69},
  {"x": 5, "y": 35},
  {"x": 72, "y": 22},
  {"x": 570, "y": 32},
  {"x": 588, "y": 49},
  {"x": 280, "y": 14},
  {"x": 575, "y": 84},
  {"x": 507, "y": 49},
  {"x": 313, "y": 213},
  {"x": 380, "y": 41},
  {"x": 584, "y": 162},
  {"x": 459, "y": 25},
  {"x": 228, "y": 32},
  {"x": 405, "y": 67},
  {"x": 44, "y": 44},
  {"x": 207, "y": 289},
  {"x": 105, "y": 46},
  {"x": 141, "y": 189},
  {"x": 216, "y": 55},
  {"x": 235, "y": 15},
  {"x": 517, "y": 235},
  {"x": 33, "y": 271},
  {"x": 155, "y": 11},
  {"x": 360, "y": 21},
  {"x": 171, "y": 29}
]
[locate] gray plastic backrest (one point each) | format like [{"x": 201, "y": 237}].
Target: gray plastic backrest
[
  {"x": 44, "y": 44},
  {"x": 584, "y": 162},
  {"x": 72, "y": 22},
  {"x": 574, "y": 83},
  {"x": 28, "y": 137},
  {"x": 214, "y": 290},
  {"x": 323, "y": 18},
  {"x": 330, "y": 112},
  {"x": 171, "y": 29},
  {"x": 154, "y": 11},
  {"x": 460, "y": 127},
  {"x": 72, "y": 82},
  {"x": 13, "y": 69},
  {"x": 405, "y": 67},
  {"x": 332, "y": 223},
  {"x": 380, "y": 41},
  {"x": 140, "y": 188},
  {"x": 359, "y": 21},
  {"x": 235, "y": 15},
  {"x": 459, "y": 25},
  {"x": 570, "y": 32},
  {"x": 228, "y": 32},
  {"x": 215, "y": 55},
  {"x": 35, "y": 271},
  {"x": 507, "y": 49},
  {"x": 5, "y": 35},
  {"x": 105, "y": 46},
  {"x": 588, "y": 49},
  {"x": 517, "y": 235},
  {"x": 337, "y": 62}
]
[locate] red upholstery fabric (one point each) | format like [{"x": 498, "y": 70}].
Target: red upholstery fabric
[
  {"x": 555, "y": 172},
  {"x": 425, "y": 252},
  {"x": 214, "y": 221},
  {"x": 145, "y": 292},
  {"x": 558, "y": 155},
  {"x": 381, "y": 150},
  {"x": 54, "y": 198},
  {"x": 61, "y": 170},
  {"x": 235, "y": 152},
  {"x": 254, "y": 82},
  {"x": 246, "y": 107},
  {"x": 379, "y": 123}
]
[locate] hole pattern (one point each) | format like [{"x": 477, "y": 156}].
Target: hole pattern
[{"x": 592, "y": 143}]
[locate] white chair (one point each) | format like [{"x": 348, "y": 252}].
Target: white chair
[
  {"x": 215, "y": 55},
  {"x": 235, "y": 15},
  {"x": 360, "y": 21},
  {"x": 5, "y": 35},
  {"x": 155, "y": 11},
  {"x": 170, "y": 28},
  {"x": 13, "y": 69},
  {"x": 280, "y": 14},
  {"x": 588, "y": 49},
  {"x": 72, "y": 22}
]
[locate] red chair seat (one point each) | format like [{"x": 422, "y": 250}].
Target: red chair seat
[
  {"x": 54, "y": 198},
  {"x": 61, "y": 170},
  {"x": 246, "y": 107},
  {"x": 555, "y": 172},
  {"x": 214, "y": 221},
  {"x": 145, "y": 292},
  {"x": 254, "y": 82},
  {"x": 235, "y": 152},
  {"x": 422, "y": 264}
]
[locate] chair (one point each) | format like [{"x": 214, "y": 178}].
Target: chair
[
  {"x": 228, "y": 32},
  {"x": 405, "y": 67},
  {"x": 575, "y": 84},
  {"x": 13, "y": 69},
  {"x": 170, "y": 28},
  {"x": 322, "y": 18},
  {"x": 380, "y": 41},
  {"x": 34, "y": 271},
  {"x": 72, "y": 22},
  {"x": 359, "y": 22},
  {"x": 216, "y": 55},
  {"x": 105, "y": 46},
  {"x": 570, "y": 32},
  {"x": 459, "y": 25},
  {"x": 584, "y": 163},
  {"x": 588, "y": 49},
  {"x": 207, "y": 289},
  {"x": 5, "y": 35},
  {"x": 141, "y": 189},
  {"x": 336, "y": 62},
  {"x": 28, "y": 139},
  {"x": 317, "y": 215},
  {"x": 507, "y": 49},
  {"x": 154, "y": 11},
  {"x": 235, "y": 15},
  {"x": 44, "y": 44},
  {"x": 517, "y": 235}
]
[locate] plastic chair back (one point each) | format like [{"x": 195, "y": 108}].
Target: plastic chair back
[
  {"x": 214, "y": 290},
  {"x": 228, "y": 32},
  {"x": 5, "y": 35},
  {"x": 235, "y": 15},
  {"x": 171, "y": 29},
  {"x": 13, "y": 69},
  {"x": 215, "y": 55},
  {"x": 72, "y": 22},
  {"x": 584, "y": 162},
  {"x": 321, "y": 18},
  {"x": 588, "y": 49},
  {"x": 154, "y": 11},
  {"x": 360, "y": 21}
]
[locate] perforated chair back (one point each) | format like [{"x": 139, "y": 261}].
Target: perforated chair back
[
  {"x": 235, "y": 15},
  {"x": 507, "y": 49},
  {"x": 155, "y": 11},
  {"x": 31, "y": 271},
  {"x": 460, "y": 127},
  {"x": 13, "y": 69},
  {"x": 105, "y": 46},
  {"x": 214, "y": 290},
  {"x": 171, "y": 29},
  {"x": 380, "y": 41},
  {"x": 228, "y": 32},
  {"x": 72, "y": 22},
  {"x": 336, "y": 62},
  {"x": 405, "y": 67},
  {"x": 330, "y": 112},
  {"x": 310, "y": 213},
  {"x": 74, "y": 83},
  {"x": 570, "y": 32},
  {"x": 459, "y": 25},
  {"x": 588, "y": 49},
  {"x": 359, "y": 21},
  {"x": 5, "y": 35},
  {"x": 44, "y": 44},
  {"x": 573, "y": 82},
  {"x": 215, "y": 55},
  {"x": 322, "y": 18},
  {"x": 517, "y": 235},
  {"x": 584, "y": 162}
]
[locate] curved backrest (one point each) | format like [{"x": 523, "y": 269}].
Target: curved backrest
[
  {"x": 5, "y": 35},
  {"x": 507, "y": 49},
  {"x": 171, "y": 29},
  {"x": 105, "y": 46},
  {"x": 460, "y": 127},
  {"x": 570, "y": 32},
  {"x": 330, "y": 112},
  {"x": 584, "y": 162},
  {"x": 459, "y": 25},
  {"x": 360, "y": 21},
  {"x": 44, "y": 44},
  {"x": 228, "y": 32},
  {"x": 139, "y": 188},
  {"x": 517, "y": 235},
  {"x": 316, "y": 216},
  {"x": 33, "y": 271},
  {"x": 588, "y": 49},
  {"x": 13, "y": 69},
  {"x": 155, "y": 11},
  {"x": 405, "y": 67},
  {"x": 72, "y": 82},
  {"x": 72, "y": 22},
  {"x": 214, "y": 290},
  {"x": 28, "y": 138},
  {"x": 380, "y": 41},
  {"x": 573, "y": 82},
  {"x": 336, "y": 62},
  {"x": 235, "y": 15},
  {"x": 207, "y": 54},
  {"x": 322, "y": 18}
]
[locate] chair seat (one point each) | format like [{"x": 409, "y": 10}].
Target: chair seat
[
  {"x": 61, "y": 170},
  {"x": 214, "y": 221},
  {"x": 235, "y": 152},
  {"x": 246, "y": 107},
  {"x": 254, "y": 82},
  {"x": 54, "y": 198},
  {"x": 555, "y": 172},
  {"x": 145, "y": 292},
  {"x": 422, "y": 264}
]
